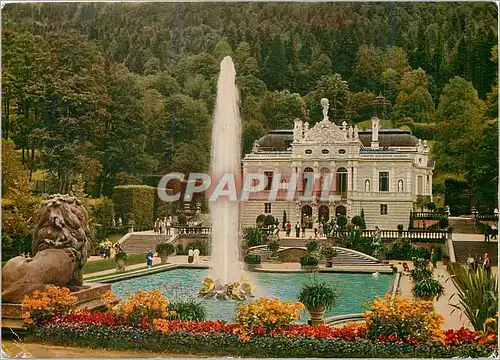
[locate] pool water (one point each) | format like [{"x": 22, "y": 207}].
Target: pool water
[{"x": 354, "y": 289}]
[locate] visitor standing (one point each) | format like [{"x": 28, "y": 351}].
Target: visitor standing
[
  {"x": 288, "y": 228},
  {"x": 102, "y": 251},
  {"x": 108, "y": 252},
  {"x": 434, "y": 258},
  {"x": 167, "y": 226},
  {"x": 297, "y": 229},
  {"x": 196, "y": 256},
  {"x": 149, "y": 258},
  {"x": 190, "y": 256},
  {"x": 487, "y": 264},
  {"x": 487, "y": 234},
  {"x": 316, "y": 228},
  {"x": 160, "y": 227},
  {"x": 495, "y": 212},
  {"x": 494, "y": 231},
  {"x": 320, "y": 229},
  {"x": 303, "y": 227},
  {"x": 155, "y": 226}
]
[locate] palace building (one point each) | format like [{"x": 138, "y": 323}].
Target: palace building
[{"x": 379, "y": 171}]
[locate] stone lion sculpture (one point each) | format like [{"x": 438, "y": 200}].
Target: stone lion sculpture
[{"x": 60, "y": 247}]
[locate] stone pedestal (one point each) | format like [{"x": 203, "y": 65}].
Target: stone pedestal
[{"x": 88, "y": 295}]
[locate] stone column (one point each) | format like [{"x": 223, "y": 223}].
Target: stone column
[
  {"x": 349, "y": 176},
  {"x": 407, "y": 186},
  {"x": 355, "y": 177},
  {"x": 392, "y": 179}
]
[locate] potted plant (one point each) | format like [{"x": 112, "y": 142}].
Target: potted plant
[
  {"x": 252, "y": 262},
  {"x": 329, "y": 253},
  {"x": 273, "y": 247},
  {"x": 308, "y": 263},
  {"x": 121, "y": 261},
  {"x": 164, "y": 250},
  {"x": 317, "y": 298},
  {"x": 428, "y": 288}
]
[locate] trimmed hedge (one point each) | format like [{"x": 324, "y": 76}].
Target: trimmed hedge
[
  {"x": 220, "y": 344},
  {"x": 138, "y": 200}
]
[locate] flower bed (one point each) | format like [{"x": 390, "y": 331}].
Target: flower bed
[
  {"x": 219, "y": 339},
  {"x": 262, "y": 328}
]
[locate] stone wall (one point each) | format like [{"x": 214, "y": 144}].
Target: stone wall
[{"x": 292, "y": 254}]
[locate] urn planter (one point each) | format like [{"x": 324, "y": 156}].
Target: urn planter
[
  {"x": 316, "y": 316},
  {"x": 163, "y": 258}
]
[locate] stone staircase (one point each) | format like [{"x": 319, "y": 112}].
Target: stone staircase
[
  {"x": 462, "y": 225},
  {"x": 464, "y": 248},
  {"x": 344, "y": 256},
  {"x": 141, "y": 242}
]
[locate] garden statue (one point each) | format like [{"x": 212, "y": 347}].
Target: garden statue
[
  {"x": 60, "y": 247},
  {"x": 120, "y": 221},
  {"x": 238, "y": 291},
  {"x": 113, "y": 222}
]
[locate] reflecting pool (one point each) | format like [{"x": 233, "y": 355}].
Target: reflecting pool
[{"x": 355, "y": 288}]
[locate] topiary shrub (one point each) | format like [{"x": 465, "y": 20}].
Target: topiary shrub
[
  {"x": 252, "y": 259},
  {"x": 259, "y": 221},
  {"x": 357, "y": 220},
  {"x": 165, "y": 249},
  {"x": 138, "y": 200},
  {"x": 254, "y": 237},
  {"x": 308, "y": 261},
  {"x": 269, "y": 220},
  {"x": 181, "y": 219},
  {"x": 342, "y": 221}
]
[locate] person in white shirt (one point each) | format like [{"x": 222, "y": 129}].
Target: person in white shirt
[
  {"x": 167, "y": 226},
  {"x": 190, "y": 256},
  {"x": 196, "y": 255}
]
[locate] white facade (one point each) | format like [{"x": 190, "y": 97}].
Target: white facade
[{"x": 378, "y": 171}]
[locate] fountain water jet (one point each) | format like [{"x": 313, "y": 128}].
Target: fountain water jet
[{"x": 226, "y": 270}]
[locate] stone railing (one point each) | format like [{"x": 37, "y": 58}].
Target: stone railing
[
  {"x": 423, "y": 215},
  {"x": 193, "y": 230},
  {"x": 417, "y": 236},
  {"x": 486, "y": 217}
]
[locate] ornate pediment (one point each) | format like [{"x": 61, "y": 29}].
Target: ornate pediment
[{"x": 326, "y": 132}]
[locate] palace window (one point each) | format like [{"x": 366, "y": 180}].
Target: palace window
[
  {"x": 309, "y": 151},
  {"x": 341, "y": 151},
  {"x": 325, "y": 151},
  {"x": 383, "y": 209},
  {"x": 267, "y": 208},
  {"x": 269, "y": 176},
  {"x": 383, "y": 181}
]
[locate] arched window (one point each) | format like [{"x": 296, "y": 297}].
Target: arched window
[
  {"x": 326, "y": 178},
  {"x": 341, "y": 180},
  {"x": 367, "y": 185},
  {"x": 400, "y": 186}
]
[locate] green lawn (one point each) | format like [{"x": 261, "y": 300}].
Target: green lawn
[
  {"x": 109, "y": 264},
  {"x": 115, "y": 237}
]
